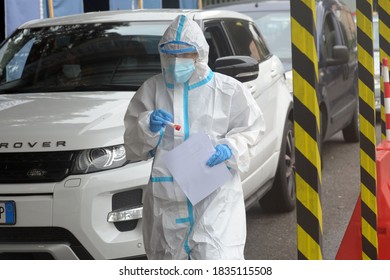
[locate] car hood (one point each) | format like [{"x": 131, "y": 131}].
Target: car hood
[{"x": 62, "y": 121}]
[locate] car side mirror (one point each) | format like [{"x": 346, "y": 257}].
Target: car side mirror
[
  {"x": 340, "y": 55},
  {"x": 242, "y": 68}
]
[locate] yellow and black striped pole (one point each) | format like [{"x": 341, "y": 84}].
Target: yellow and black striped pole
[
  {"x": 384, "y": 51},
  {"x": 367, "y": 129},
  {"x": 307, "y": 127}
]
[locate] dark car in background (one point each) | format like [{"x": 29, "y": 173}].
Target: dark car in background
[{"x": 337, "y": 55}]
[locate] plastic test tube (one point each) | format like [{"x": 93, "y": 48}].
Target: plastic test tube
[{"x": 174, "y": 126}]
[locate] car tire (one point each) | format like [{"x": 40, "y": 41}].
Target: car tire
[
  {"x": 281, "y": 197},
  {"x": 351, "y": 132}
]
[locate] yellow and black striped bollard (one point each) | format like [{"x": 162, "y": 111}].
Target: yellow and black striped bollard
[
  {"x": 307, "y": 127},
  {"x": 364, "y": 9}
]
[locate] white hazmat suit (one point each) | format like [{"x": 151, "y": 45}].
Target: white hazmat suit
[{"x": 220, "y": 106}]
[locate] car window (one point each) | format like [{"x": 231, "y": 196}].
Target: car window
[
  {"x": 264, "y": 51},
  {"x": 217, "y": 41},
  {"x": 83, "y": 55},
  {"x": 330, "y": 37},
  {"x": 348, "y": 27},
  {"x": 14, "y": 68},
  {"x": 275, "y": 27},
  {"x": 246, "y": 39}
]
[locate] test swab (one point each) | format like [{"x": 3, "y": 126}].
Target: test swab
[{"x": 174, "y": 126}]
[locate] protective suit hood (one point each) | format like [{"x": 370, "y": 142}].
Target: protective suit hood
[{"x": 184, "y": 36}]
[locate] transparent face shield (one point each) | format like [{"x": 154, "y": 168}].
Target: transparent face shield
[{"x": 177, "y": 49}]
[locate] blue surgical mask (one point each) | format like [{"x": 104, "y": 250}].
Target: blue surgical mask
[{"x": 181, "y": 69}]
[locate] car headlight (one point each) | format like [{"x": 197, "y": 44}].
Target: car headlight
[{"x": 99, "y": 159}]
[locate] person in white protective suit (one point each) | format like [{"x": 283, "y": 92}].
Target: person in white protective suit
[{"x": 189, "y": 93}]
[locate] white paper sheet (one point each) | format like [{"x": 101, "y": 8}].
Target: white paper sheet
[{"x": 187, "y": 164}]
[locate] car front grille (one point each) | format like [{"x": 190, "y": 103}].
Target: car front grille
[{"x": 35, "y": 167}]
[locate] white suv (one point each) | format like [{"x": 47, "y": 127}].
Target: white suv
[{"x": 66, "y": 189}]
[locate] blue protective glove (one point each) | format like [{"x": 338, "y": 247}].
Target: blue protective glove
[
  {"x": 222, "y": 153},
  {"x": 158, "y": 120}
]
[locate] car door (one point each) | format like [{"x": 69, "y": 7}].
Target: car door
[
  {"x": 244, "y": 40},
  {"x": 334, "y": 80},
  {"x": 348, "y": 32}
]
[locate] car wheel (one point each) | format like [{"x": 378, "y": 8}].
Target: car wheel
[
  {"x": 351, "y": 132},
  {"x": 281, "y": 197}
]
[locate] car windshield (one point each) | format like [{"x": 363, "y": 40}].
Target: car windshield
[
  {"x": 275, "y": 27},
  {"x": 120, "y": 56}
]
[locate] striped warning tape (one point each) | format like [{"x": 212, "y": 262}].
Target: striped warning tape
[
  {"x": 367, "y": 129},
  {"x": 306, "y": 125},
  {"x": 384, "y": 50}
]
